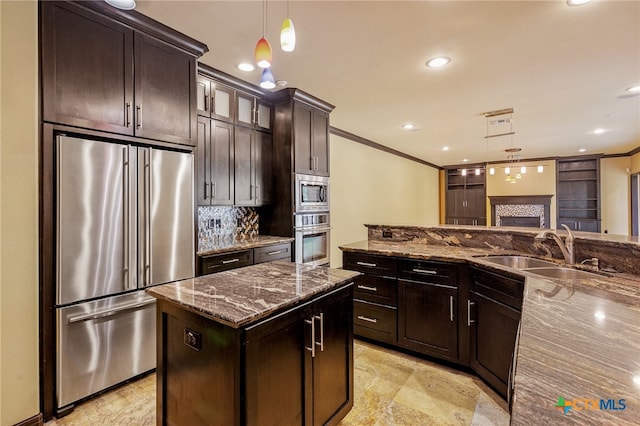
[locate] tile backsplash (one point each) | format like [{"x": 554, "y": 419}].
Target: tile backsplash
[{"x": 217, "y": 225}]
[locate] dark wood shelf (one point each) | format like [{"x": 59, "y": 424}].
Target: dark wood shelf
[{"x": 578, "y": 193}]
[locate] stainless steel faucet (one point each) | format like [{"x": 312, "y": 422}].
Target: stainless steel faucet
[{"x": 565, "y": 246}]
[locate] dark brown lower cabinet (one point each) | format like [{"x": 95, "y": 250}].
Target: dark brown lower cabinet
[
  {"x": 428, "y": 320},
  {"x": 295, "y": 368},
  {"x": 494, "y": 315}
]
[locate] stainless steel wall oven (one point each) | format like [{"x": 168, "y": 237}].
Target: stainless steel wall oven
[{"x": 313, "y": 235}]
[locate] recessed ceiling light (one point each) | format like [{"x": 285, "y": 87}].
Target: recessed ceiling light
[
  {"x": 598, "y": 131},
  {"x": 582, "y": 149},
  {"x": 577, "y": 2},
  {"x": 445, "y": 148},
  {"x": 408, "y": 126},
  {"x": 438, "y": 62},
  {"x": 464, "y": 160},
  {"x": 122, "y": 4},
  {"x": 245, "y": 66},
  {"x": 633, "y": 89}
]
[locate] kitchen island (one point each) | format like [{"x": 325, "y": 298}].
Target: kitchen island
[
  {"x": 266, "y": 344},
  {"x": 576, "y": 357}
]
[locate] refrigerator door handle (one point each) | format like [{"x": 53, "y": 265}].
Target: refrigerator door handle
[
  {"x": 109, "y": 312},
  {"x": 126, "y": 193},
  {"x": 147, "y": 216}
]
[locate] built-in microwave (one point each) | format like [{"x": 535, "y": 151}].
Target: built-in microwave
[{"x": 312, "y": 193}]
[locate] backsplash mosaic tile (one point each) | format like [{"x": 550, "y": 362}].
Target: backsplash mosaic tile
[
  {"x": 522, "y": 210},
  {"x": 220, "y": 225}
]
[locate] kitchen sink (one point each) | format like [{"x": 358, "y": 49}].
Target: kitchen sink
[
  {"x": 563, "y": 273},
  {"x": 518, "y": 262}
]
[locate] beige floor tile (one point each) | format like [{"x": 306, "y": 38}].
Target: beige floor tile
[{"x": 391, "y": 389}]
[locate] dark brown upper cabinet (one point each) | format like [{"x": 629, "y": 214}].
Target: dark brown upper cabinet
[
  {"x": 215, "y": 167},
  {"x": 252, "y": 167},
  {"x": 253, "y": 112},
  {"x": 466, "y": 197},
  {"x": 101, "y": 71},
  {"x": 311, "y": 135},
  {"x": 215, "y": 100}
]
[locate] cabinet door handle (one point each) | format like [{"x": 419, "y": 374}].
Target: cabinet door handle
[
  {"x": 205, "y": 190},
  {"x": 225, "y": 262},
  {"x": 312, "y": 349},
  {"x": 321, "y": 343},
  {"x": 451, "y": 308},
  {"x": 425, "y": 271},
  {"x": 364, "y": 287},
  {"x": 139, "y": 117},
  {"x": 371, "y": 265},
  {"x": 214, "y": 191},
  {"x": 206, "y": 98},
  {"x": 258, "y": 192},
  {"x": 127, "y": 115},
  {"x": 363, "y": 318},
  {"x": 469, "y": 320}
]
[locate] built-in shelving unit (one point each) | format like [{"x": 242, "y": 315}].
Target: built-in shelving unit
[
  {"x": 578, "y": 193},
  {"x": 466, "y": 197}
]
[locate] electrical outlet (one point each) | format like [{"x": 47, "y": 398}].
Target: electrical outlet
[
  {"x": 210, "y": 224},
  {"x": 218, "y": 223},
  {"x": 239, "y": 222},
  {"x": 386, "y": 234}
]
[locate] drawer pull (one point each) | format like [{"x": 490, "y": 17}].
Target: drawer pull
[
  {"x": 371, "y": 265},
  {"x": 364, "y": 287},
  {"x": 225, "y": 262},
  {"x": 363, "y": 318},
  {"x": 425, "y": 271},
  {"x": 273, "y": 253}
]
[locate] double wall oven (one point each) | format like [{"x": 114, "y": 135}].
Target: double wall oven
[{"x": 312, "y": 224}]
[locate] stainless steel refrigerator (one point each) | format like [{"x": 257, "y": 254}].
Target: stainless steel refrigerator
[{"x": 125, "y": 221}]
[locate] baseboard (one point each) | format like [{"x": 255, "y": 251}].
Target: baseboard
[{"x": 32, "y": 421}]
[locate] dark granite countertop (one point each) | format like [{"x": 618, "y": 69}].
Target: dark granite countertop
[
  {"x": 226, "y": 245},
  {"x": 241, "y": 296},
  {"x": 579, "y": 338}
]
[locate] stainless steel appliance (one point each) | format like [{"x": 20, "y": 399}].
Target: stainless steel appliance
[
  {"x": 124, "y": 221},
  {"x": 311, "y": 193},
  {"x": 313, "y": 234}
]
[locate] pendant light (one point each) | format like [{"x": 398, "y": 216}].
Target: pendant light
[
  {"x": 287, "y": 34},
  {"x": 263, "y": 52},
  {"x": 267, "y": 81}
]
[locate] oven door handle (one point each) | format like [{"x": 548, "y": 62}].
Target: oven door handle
[{"x": 312, "y": 229}]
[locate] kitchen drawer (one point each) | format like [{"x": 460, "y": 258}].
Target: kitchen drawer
[
  {"x": 381, "y": 290},
  {"x": 274, "y": 252},
  {"x": 369, "y": 264},
  {"x": 375, "y": 321},
  {"x": 428, "y": 271},
  {"x": 225, "y": 261},
  {"x": 498, "y": 287}
]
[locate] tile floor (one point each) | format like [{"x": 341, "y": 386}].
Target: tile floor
[{"x": 391, "y": 388}]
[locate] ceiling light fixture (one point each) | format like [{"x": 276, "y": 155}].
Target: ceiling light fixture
[
  {"x": 287, "y": 34},
  {"x": 577, "y": 2},
  {"x": 599, "y": 131},
  {"x": 408, "y": 126},
  {"x": 438, "y": 62},
  {"x": 267, "y": 81},
  {"x": 582, "y": 149},
  {"x": 122, "y": 4},
  {"x": 263, "y": 52},
  {"x": 445, "y": 148},
  {"x": 465, "y": 160},
  {"x": 245, "y": 66},
  {"x": 634, "y": 89}
]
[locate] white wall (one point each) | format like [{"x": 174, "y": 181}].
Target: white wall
[
  {"x": 19, "y": 398},
  {"x": 615, "y": 194},
  {"x": 373, "y": 187}
]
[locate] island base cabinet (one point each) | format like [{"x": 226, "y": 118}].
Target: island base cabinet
[
  {"x": 493, "y": 338},
  {"x": 294, "y": 368},
  {"x": 299, "y": 365},
  {"x": 197, "y": 374}
]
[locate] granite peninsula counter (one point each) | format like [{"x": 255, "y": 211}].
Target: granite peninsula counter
[
  {"x": 268, "y": 343},
  {"x": 579, "y": 339}
]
